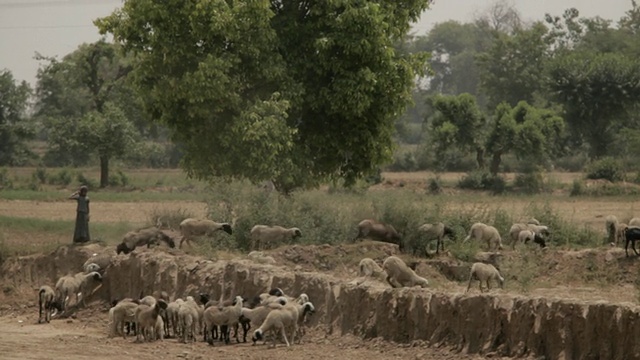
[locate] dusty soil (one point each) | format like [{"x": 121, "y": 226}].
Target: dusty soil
[
  {"x": 137, "y": 212},
  {"x": 22, "y": 338}
]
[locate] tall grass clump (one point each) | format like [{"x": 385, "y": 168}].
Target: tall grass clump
[{"x": 169, "y": 218}]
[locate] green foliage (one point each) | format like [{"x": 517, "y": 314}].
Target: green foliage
[
  {"x": 530, "y": 182},
  {"x": 482, "y": 180},
  {"x": 293, "y": 93},
  {"x": 62, "y": 177},
  {"x": 83, "y": 180},
  {"x": 434, "y": 185},
  {"x": 5, "y": 181},
  {"x": 14, "y": 127},
  {"x": 564, "y": 232},
  {"x": 577, "y": 188},
  {"x": 606, "y": 168},
  {"x": 597, "y": 92},
  {"x": 119, "y": 179},
  {"x": 40, "y": 175},
  {"x": 169, "y": 218}
]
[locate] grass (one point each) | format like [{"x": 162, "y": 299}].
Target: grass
[{"x": 102, "y": 195}]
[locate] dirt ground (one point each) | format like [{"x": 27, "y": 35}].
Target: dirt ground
[{"x": 22, "y": 338}]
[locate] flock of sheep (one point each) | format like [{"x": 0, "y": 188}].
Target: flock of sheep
[
  {"x": 154, "y": 317},
  {"x": 274, "y": 313}
]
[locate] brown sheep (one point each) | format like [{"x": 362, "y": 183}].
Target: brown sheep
[
  {"x": 148, "y": 236},
  {"x": 374, "y": 230}
]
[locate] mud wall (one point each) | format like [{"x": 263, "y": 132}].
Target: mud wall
[{"x": 501, "y": 324}]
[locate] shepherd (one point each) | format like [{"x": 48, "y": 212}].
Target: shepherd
[{"x": 81, "y": 232}]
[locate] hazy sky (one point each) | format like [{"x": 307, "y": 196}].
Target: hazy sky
[{"x": 57, "y": 27}]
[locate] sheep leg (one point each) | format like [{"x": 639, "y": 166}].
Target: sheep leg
[
  {"x": 284, "y": 335},
  {"x": 626, "y": 246},
  {"x": 633, "y": 246},
  {"x": 245, "y": 328},
  {"x": 469, "y": 286}
]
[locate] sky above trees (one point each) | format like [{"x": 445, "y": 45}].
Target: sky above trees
[{"x": 57, "y": 27}]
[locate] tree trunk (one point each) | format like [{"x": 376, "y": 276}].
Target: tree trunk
[
  {"x": 104, "y": 171},
  {"x": 480, "y": 158},
  {"x": 496, "y": 159}
]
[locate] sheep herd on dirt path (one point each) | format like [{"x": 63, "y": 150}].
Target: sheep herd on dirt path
[{"x": 273, "y": 315}]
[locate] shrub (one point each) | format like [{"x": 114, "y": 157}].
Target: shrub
[
  {"x": 169, "y": 218},
  {"x": 530, "y": 183},
  {"x": 434, "y": 186},
  {"x": 577, "y": 188},
  {"x": 606, "y": 168},
  {"x": 83, "y": 180},
  {"x": 5, "y": 181},
  {"x": 62, "y": 177},
  {"x": 118, "y": 179},
  {"x": 40, "y": 175},
  {"x": 482, "y": 180}
]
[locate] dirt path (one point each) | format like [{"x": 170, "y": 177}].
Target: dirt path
[
  {"x": 22, "y": 338},
  {"x": 106, "y": 212}
]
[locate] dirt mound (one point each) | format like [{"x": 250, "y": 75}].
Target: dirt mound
[{"x": 498, "y": 324}]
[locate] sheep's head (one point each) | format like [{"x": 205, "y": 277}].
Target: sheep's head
[
  {"x": 276, "y": 292},
  {"x": 227, "y": 228},
  {"x": 308, "y": 308},
  {"x": 95, "y": 276},
  {"x": 296, "y": 232},
  {"x": 449, "y": 232},
  {"x": 167, "y": 240},
  {"x": 122, "y": 248},
  {"x": 538, "y": 239},
  {"x": 257, "y": 335},
  {"x": 204, "y": 298}
]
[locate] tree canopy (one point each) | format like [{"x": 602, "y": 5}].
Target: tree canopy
[
  {"x": 14, "y": 127},
  {"x": 294, "y": 92}
]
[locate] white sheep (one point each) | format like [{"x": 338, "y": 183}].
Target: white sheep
[
  {"x": 147, "y": 236},
  {"x": 369, "y": 268},
  {"x": 123, "y": 312},
  {"x": 277, "y": 320},
  {"x": 261, "y": 258},
  {"x": 257, "y": 315},
  {"x": 634, "y": 222},
  {"x": 487, "y": 233},
  {"x": 437, "y": 232},
  {"x": 172, "y": 316},
  {"x": 484, "y": 273},
  {"x": 198, "y": 227},
  {"x": 620, "y": 230},
  {"x": 400, "y": 275},
  {"x": 378, "y": 231},
  {"x": 529, "y": 235},
  {"x": 267, "y": 237},
  {"x": 189, "y": 315},
  {"x": 514, "y": 231},
  {"x": 80, "y": 283},
  {"x": 147, "y": 319},
  {"x": 47, "y": 303}
]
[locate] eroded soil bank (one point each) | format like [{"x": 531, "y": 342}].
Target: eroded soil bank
[{"x": 488, "y": 324}]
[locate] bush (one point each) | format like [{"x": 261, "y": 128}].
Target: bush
[
  {"x": 62, "y": 177},
  {"x": 5, "y": 181},
  {"x": 118, "y": 179},
  {"x": 83, "y": 180},
  {"x": 482, "y": 180},
  {"x": 606, "y": 168},
  {"x": 434, "y": 186},
  {"x": 577, "y": 188},
  {"x": 530, "y": 183},
  {"x": 40, "y": 175}
]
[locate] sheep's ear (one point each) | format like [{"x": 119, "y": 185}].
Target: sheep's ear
[{"x": 162, "y": 304}]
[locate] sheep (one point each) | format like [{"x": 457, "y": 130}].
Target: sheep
[
  {"x": 123, "y": 312},
  {"x": 189, "y": 317},
  {"x": 634, "y": 222},
  {"x": 399, "y": 274},
  {"x": 160, "y": 328},
  {"x": 227, "y": 316},
  {"x": 263, "y": 236},
  {"x": 611, "y": 223},
  {"x": 533, "y": 221},
  {"x": 369, "y": 268},
  {"x": 529, "y": 235},
  {"x": 259, "y": 257},
  {"x": 631, "y": 234},
  {"x": 72, "y": 285},
  {"x": 484, "y": 232},
  {"x": 620, "y": 229},
  {"x": 288, "y": 316},
  {"x": 147, "y": 236},
  {"x": 484, "y": 273},
  {"x": 197, "y": 227},
  {"x": 257, "y": 315},
  {"x": 436, "y": 231},
  {"x": 515, "y": 230},
  {"x": 47, "y": 303},
  {"x": 172, "y": 316},
  {"x": 148, "y": 300},
  {"x": 379, "y": 231},
  {"x": 147, "y": 318},
  {"x": 103, "y": 260}
]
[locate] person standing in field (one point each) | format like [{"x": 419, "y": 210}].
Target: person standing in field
[{"x": 81, "y": 232}]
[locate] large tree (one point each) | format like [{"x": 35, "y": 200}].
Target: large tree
[
  {"x": 14, "y": 127},
  {"x": 76, "y": 90},
  {"x": 292, "y": 91},
  {"x": 598, "y": 92}
]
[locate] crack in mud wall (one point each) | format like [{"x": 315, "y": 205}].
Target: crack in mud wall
[{"x": 503, "y": 324}]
